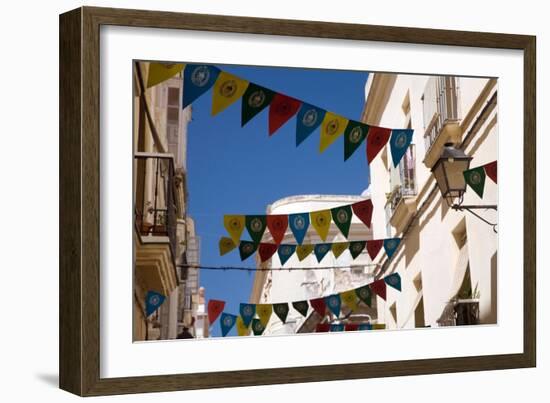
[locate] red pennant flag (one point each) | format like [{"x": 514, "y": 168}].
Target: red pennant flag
[
  {"x": 215, "y": 307},
  {"x": 379, "y": 288},
  {"x": 322, "y": 328},
  {"x": 376, "y": 140},
  {"x": 266, "y": 250},
  {"x": 374, "y": 246},
  {"x": 281, "y": 109},
  {"x": 491, "y": 170},
  {"x": 277, "y": 225},
  {"x": 363, "y": 211},
  {"x": 351, "y": 327},
  {"x": 319, "y": 305}
]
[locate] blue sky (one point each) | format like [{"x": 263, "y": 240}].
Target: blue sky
[{"x": 234, "y": 170}]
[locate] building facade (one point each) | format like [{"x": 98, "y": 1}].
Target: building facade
[{"x": 447, "y": 259}]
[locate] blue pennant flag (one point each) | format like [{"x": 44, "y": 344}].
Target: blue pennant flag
[
  {"x": 390, "y": 245},
  {"x": 153, "y": 301},
  {"x": 337, "y": 327},
  {"x": 299, "y": 224},
  {"x": 365, "y": 326},
  {"x": 247, "y": 312},
  {"x": 197, "y": 79},
  {"x": 321, "y": 249},
  {"x": 334, "y": 303},
  {"x": 227, "y": 321},
  {"x": 308, "y": 119},
  {"x": 285, "y": 252},
  {"x": 399, "y": 143},
  {"x": 394, "y": 280}
]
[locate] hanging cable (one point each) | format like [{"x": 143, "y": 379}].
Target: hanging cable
[{"x": 224, "y": 268}]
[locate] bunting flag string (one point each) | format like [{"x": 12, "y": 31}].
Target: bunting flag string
[
  {"x": 285, "y": 251},
  {"x": 299, "y": 223},
  {"x": 255, "y": 317},
  {"x": 153, "y": 301},
  {"x": 475, "y": 177},
  {"x": 228, "y": 88}
]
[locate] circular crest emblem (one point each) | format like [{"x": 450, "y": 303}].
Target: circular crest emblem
[
  {"x": 154, "y": 300},
  {"x": 392, "y": 280},
  {"x": 200, "y": 76},
  {"x": 258, "y": 326},
  {"x": 299, "y": 222},
  {"x": 228, "y": 88},
  {"x": 286, "y": 250},
  {"x": 355, "y": 134},
  {"x": 256, "y": 224},
  {"x": 248, "y": 248},
  {"x": 310, "y": 118},
  {"x": 342, "y": 216},
  {"x": 475, "y": 178},
  {"x": 235, "y": 224},
  {"x": 247, "y": 310},
  {"x": 228, "y": 321},
  {"x": 363, "y": 293},
  {"x": 256, "y": 99},
  {"x": 323, "y": 248},
  {"x": 279, "y": 309},
  {"x": 320, "y": 220},
  {"x": 391, "y": 244},
  {"x": 357, "y": 247},
  {"x": 401, "y": 140},
  {"x": 332, "y": 127},
  {"x": 333, "y": 301}
]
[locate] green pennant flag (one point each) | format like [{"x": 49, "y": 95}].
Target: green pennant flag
[
  {"x": 257, "y": 327},
  {"x": 255, "y": 100},
  {"x": 354, "y": 135},
  {"x": 302, "y": 307},
  {"x": 364, "y": 294},
  {"x": 281, "y": 310},
  {"x": 256, "y": 224},
  {"x": 247, "y": 249},
  {"x": 475, "y": 178},
  {"x": 342, "y": 218},
  {"x": 356, "y": 247}
]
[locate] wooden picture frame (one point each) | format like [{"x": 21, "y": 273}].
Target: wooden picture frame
[{"x": 80, "y": 199}]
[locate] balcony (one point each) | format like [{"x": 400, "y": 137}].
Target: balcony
[{"x": 441, "y": 116}]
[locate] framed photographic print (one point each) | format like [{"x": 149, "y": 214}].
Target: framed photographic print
[{"x": 249, "y": 201}]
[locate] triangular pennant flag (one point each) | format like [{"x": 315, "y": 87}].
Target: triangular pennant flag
[
  {"x": 379, "y": 288},
  {"x": 356, "y": 247},
  {"x": 247, "y": 249},
  {"x": 197, "y": 79},
  {"x": 321, "y": 222},
  {"x": 264, "y": 312},
  {"x": 334, "y": 303},
  {"x": 227, "y": 321},
  {"x": 400, "y": 141},
  {"x": 303, "y": 251},
  {"x": 475, "y": 178},
  {"x": 302, "y": 307},
  {"x": 318, "y": 305},
  {"x": 234, "y": 224},
  {"x": 153, "y": 301},
  {"x": 227, "y": 89},
  {"x": 247, "y": 312},
  {"x": 394, "y": 280},
  {"x": 277, "y": 225},
  {"x": 350, "y": 299},
  {"x": 354, "y": 135},
  {"x": 363, "y": 211},
  {"x": 266, "y": 250},
  {"x": 308, "y": 119},
  {"x": 374, "y": 246},
  {"x": 281, "y": 310},
  {"x": 351, "y": 327},
  {"x": 337, "y": 327},
  {"x": 365, "y": 326},
  {"x": 320, "y": 250},
  {"x": 285, "y": 252},
  {"x": 215, "y": 307},
  {"x": 390, "y": 245},
  {"x": 226, "y": 245},
  {"x": 342, "y": 218},
  {"x": 338, "y": 248},
  {"x": 255, "y": 99},
  {"x": 242, "y": 329},
  {"x": 491, "y": 170},
  {"x": 256, "y": 224},
  {"x": 364, "y": 294},
  {"x": 281, "y": 109},
  {"x": 332, "y": 127},
  {"x": 322, "y": 328},
  {"x": 257, "y": 327},
  {"x": 376, "y": 140},
  {"x": 160, "y": 72},
  {"x": 299, "y": 224}
]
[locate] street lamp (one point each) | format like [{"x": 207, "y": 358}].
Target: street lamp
[{"x": 448, "y": 172}]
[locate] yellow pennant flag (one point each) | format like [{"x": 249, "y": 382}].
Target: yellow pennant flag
[
  {"x": 332, "y": 127},
  {"x": 303, "y": 251},
  {"x": 242, "y": 329},
  {"x": 321, "y": 222},
  {"x": 338, "y": 248},
  {"x": 234, "y": 224},
  {"x": 226, "y": 245},
  {"x": 350, "y": 299},
  {"x": 264, "y": 312},
  {"x": 159, "y": 72},
  {"x": 227, "y": 89}
]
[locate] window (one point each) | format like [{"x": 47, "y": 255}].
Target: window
[
  {"x": 402, "y": 181},
  {"x": 172, "y": 119}
]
